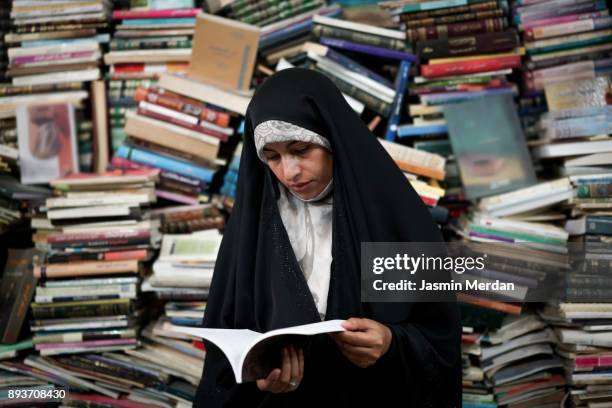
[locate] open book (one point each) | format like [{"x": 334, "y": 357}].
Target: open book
[{"x": 253, "y": 355}]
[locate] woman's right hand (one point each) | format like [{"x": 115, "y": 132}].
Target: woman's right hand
[{"x": 288, "y": 377}]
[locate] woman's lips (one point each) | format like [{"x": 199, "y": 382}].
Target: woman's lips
[{"x": 299, "y": 187}]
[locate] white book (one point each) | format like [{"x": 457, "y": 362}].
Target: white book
[
  {"x": 59, "y": 18},
  {"x": 413, "y": 156},
  {"x": 204, "y": 92},
  {"x": 553, "y": 150},
  {"x": 240, "y": 346},
  {"x": 541, "y": 190},
  {"x": 169, "y": 55},
  {"x": 52, "y": 49},
  {"x": 132, "y": 117},
  {"x": 99, "y": 211},
  {"x": 168, "y": 112},
  {"x": 200, "y": 246},
  {"x": 9, "y": 152},
  {"x": 10, "y": 103},
  {"x": 364, "y": 28},
  {"x": 540, "y": 336},
  {"x": 572, "y": 336},
  {"x": 541, "y": 229},
  {"x": 63, "y": 202},
  {"x": 57, "y": 77},
  {"x": 596, "y": 159},
  {"x": 92, "y": 58}
]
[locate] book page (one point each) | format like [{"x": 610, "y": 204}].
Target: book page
[{"x": 232, "y": 342}]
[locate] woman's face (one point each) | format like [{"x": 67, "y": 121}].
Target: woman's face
[{"x": 304, "y": 168}]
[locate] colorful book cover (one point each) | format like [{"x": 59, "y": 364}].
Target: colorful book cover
[
  {"x": 47, "y": 142},
  {"x": 490, "y": 149}
]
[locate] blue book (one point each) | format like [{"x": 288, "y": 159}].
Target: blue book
[
  {"x": 421, "y": 130},
  {"x": 401, "y": 83},
  {"x": 468, "y": 404},
  {"x": 157, "y": 160},
  {"x": 158, "y": 21},
  {"x": 357, "y": 67},
  {"x": 367, "y": 49},
  {"x": 452, "y": 97}
]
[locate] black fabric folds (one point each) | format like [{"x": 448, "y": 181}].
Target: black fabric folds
[{"x": 258, "y": 285}]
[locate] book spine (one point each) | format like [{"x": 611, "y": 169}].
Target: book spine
[
  {"x": 560, "y": 11},
  {"x": 165, "y": 163},
  {"x": 85, "y": 268},
  {"x": 563, "y": 19},
  {"x": 122, "y": 163},
  {"x": 369, "y": 100},
  {"x": 358, "y": 37},
  {"x": 84, "y": 336},
  {"x": 569, "y": 45},
  {"x": 31, "y": 59},
  {"x": 593, "y": 361},
  {"x": 469, "y": 8},
  {"x": 471, "y": 45},
  {"x": 182, "y": 105},
  {"x": 96, "y": 236},
  {"x": 594, "y": 190},
  {"x": 470, "y": 67},
  {"x": 80, "y": 344},
  {"x": 179, "y": 122},
  {"x": 581, "y": 128},
  {"x": 51, "y": 312},
  {"x": 400, "y": 89},
  {"x": 367, "y": 49},
  {"x": 169, "y": 13},
  {"x": 461, "y": 29},
  {"x": 125, "y": 45},
  {"x": 598, "y": 225},
  {"x": 354, "y": 66},
  {"x": 454, "y": 18},
  {"x": 570, "y": 27}
]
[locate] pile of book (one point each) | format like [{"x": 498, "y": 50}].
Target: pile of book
[
  {"x": 284, "y": 38},
  {"x": 148, "y": 40},
  {"x": 177, "y": 134},
  {"x": 520, "y": 361},
  {"x": 56, "y": 42},
  {"x": 97, "y": 235},
  {"x": 584, "y": 345}
]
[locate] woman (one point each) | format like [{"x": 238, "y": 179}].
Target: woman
[{"x": 313, "y": 184}]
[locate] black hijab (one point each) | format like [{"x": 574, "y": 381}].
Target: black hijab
[{"x": 258, "y": 284}]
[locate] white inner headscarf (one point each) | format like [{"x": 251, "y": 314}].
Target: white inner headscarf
[{"x": 308, "y": 222}]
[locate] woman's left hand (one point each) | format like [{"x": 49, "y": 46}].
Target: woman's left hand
[{"x": 364, "y": 341}]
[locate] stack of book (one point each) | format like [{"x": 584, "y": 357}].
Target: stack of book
[
  {"x": 177, "y": 134},
  {"x": 576, "y": 128},
  {"x": 284, "y": 38},
  {"x": 230, "y": 180},
  {"x": 4, "y": 28},
  {"x": 185, "y": 219},
  {"x": 584, "y": 345},
  {"x": 148, "y": 40},
  {"x": 97, "y": 235},
  {"x": 465, "y": 48},
  {"x": 564, "y": 41},
  {"x": 424, "y": 171},
  {"x": 56, "y": 42},
  {"x": 186, "y": 260},
  {"x": 520, "y": 361}
]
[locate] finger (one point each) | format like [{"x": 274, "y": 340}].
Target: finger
[
  {"x": 363, "y": 339},
  {"x": 301, "y": 363},
  {"x": 357, "y": 324},
  {"x": 266, "y": 383},
  {"x": 286, "y": 369},
  {"x": 295, "y": 365}
]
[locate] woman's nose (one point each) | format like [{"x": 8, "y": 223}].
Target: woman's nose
[{"x": 291, "y": 167}]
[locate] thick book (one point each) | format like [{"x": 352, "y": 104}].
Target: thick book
[
  {"x": 252, "y": 355},
  {"x": 470, "y": 45}
]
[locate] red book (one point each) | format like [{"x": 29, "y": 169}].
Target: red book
[
  {"x": 594, "y": 361},
  {"x": 470, "y": 66},
  {"x": 168, "y": 13}
]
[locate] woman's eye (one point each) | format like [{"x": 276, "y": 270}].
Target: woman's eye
[
  {"x": 273, "y": 158},
  {"x": 301, "y": 150}
]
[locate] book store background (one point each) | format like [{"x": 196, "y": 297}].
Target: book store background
[{"x": 120, "y": 139}]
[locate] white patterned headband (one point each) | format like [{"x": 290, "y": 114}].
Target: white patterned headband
[{"x": 272, "y": 131}]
